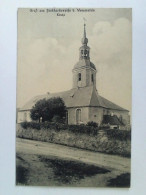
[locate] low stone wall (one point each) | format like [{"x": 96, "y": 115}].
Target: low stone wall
[{"x": 98, "y": 143}]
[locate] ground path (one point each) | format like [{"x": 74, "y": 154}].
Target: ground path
[{"x": 111, "y": 162}]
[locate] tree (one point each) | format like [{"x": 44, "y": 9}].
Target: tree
[{"x": 47, "y": 109}]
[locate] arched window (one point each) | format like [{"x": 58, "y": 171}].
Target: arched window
[
  {"x": 78, "y": 116},
  {"x": 92, "y": 78},
  {"x": 79, "y": 77}
]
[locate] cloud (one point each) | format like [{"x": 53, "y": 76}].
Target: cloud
[
  {"x": 111, "y": 52},
  {"x": 109, "y": 40},
  {"x": 45, "y": 64}
]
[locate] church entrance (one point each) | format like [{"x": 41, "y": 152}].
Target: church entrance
[{"x": 78, "y": 116}]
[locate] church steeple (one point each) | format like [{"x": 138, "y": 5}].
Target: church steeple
[
  {"x": 84, "y": 49},
  {"x": 84, "y": 39},
  {"x": 84, "y": 71}
]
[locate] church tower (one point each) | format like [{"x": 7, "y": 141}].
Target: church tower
[{"x": 84, "y": 71}]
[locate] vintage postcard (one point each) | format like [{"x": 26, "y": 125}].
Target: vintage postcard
[{"x": 74, "y": 97}]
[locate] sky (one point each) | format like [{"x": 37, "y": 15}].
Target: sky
[{"x": 48, "y": 49}]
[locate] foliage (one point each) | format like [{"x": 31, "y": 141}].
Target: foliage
[
  {"x": 58, "y": 119},
  {"x": 31, "y": 125},
  {"x": 92, "y": 124},
  {"x": 24, "y": 125},
  {"x": 119, "y": 134},
  {"x": 47, "y": 109},
  {"x": 105, "y": 126},
  {"x": 60, "y": 126},
  {"x": 83, "y": 129},
  {"x": 77, "y": 129}
]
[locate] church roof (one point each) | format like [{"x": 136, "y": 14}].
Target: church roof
[
  {"x": 77, "y": 97},
  {"x": 84, "y": 63}
]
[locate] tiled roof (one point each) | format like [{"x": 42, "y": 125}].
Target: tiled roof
[{"x": 77, "y": 97}]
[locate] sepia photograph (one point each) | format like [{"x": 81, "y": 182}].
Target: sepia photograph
[{"x": 74, "y": 87}]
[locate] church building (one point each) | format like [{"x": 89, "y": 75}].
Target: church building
[{"x": 83, "y": 101}]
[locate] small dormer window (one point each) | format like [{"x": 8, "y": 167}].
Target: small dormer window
[{"x": 79, "y": 77}]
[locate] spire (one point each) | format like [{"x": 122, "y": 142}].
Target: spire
[
  {"x": 84, "y": 39},
  {"x": 84, "y": 30},
  {"x": 84, "y": 71}
]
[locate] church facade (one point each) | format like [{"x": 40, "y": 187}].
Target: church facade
[{"x": 83, "y": 102}]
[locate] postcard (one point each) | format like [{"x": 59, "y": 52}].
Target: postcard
[{"x": 74, "y": 72}]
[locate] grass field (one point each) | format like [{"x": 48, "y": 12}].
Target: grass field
[
  {"x": 51, "y": 171},
  {"x": 47, "y": 164}
]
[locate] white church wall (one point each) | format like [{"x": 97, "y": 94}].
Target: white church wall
[
  {"x": 85, "y": 77},
  {"x": 96, "y": 114},
  {"x": 20, "y": 117},
  {"x": 76, "y": 82},
  {"x": 23, "y": 116},
  {"x": 89, "y": 73},
  {"x": 72, "y": 115}
]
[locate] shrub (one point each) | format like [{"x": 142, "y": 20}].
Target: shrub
[
  {"x": 46, "y": 109},
  {"x": 45, "y": 125},
  {"x": 83, "y": 129},
  {"x": 61, "y": 126},
  {"x": 89, "y": 130},
  {"x": 24, "y": 125},
  {"x": 119, "y": 134},
  {"x": 56, "y": 119},
  {"x": 53, "y": 125},
  {"x": 32, "y": 125},
  {"x": 92, "y": 124},
  {"x": 105, "y": 126}
]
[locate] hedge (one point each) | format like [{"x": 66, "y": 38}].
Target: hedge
[{"x": 86, "y": 129}]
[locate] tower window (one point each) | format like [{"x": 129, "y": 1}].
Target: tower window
[
  {"x": 79, "y": 76},
  {"x": 92, "y": 78},
  {"x": 85, "y": 52}
]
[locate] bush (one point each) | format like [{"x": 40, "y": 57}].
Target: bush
[
  {"x": 92, "y": 124},
  {"x": 105, "y": 126},
  {"x": 46, "y": 109},
  {"x": 24, "y": 125},
  {"x": 57, "y": 119},
  {"x": 83, "y": 129},
  {"x": 119, "y": 134},
  {"x": 45, "y": 125},
  {"x": 60, "y": 126},
  {"x": 31, "y": 125}
]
